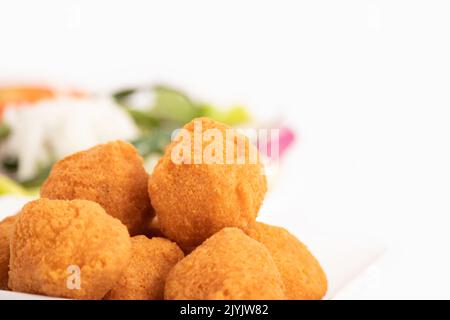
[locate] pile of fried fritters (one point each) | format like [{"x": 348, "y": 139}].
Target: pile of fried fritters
[{"x": 105, "y": 229}]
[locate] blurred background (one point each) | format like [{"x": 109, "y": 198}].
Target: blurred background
[{"x": 359, "y": 88}]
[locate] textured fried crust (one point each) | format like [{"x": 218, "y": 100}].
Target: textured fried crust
[
  {"x": 51, "y": 236},
  {"x": 154, "y": 230},
  {"x": 230, "y": 266},
  {"x": 5, "y": 232},
  {"x": 110, "y": 174},
  {"x": 194, "y": 201},
  {"x": 302, "y": 274},
  {"x": 145, "y": 276}
]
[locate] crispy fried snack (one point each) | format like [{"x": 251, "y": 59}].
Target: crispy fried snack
[
  {"x": 193, "y": 201},
  {"x": 110, "y": 174},
  {"x": 302, "y": 274},
  {"x": 70, "y": 249},
  {"x": 6, "y": 227},
  {"x": 229, "y": 265},
  {"x": 145, "y": 276}
]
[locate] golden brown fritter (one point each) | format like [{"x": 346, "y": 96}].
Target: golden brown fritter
[
  {"x": 194, "y": 201},
  {"x": 302, "y": 274},
  {"x": 110, "y": 174},
  {"x": 229, "y": 265},
  {"x": 57, "y": 245},
  {"x": 6, "y": 227},
  {"x": 145, "y": 276}
]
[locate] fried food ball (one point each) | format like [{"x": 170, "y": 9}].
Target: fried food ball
[
  {"x": 110, "y": 174},
  {"x": 69, "y": 249},
  {"x": 145, "y": 276},
  {"x": 229, "y": 265},
  {"x": 195, "y": 200},
  {"x": 6, "y": 226},
  {"x": 302, "y": 274}
]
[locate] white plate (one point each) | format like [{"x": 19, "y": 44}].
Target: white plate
[{"x": 344, "y": 257}]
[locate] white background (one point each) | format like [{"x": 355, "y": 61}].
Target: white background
[{"x": 364, "y": 83}]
